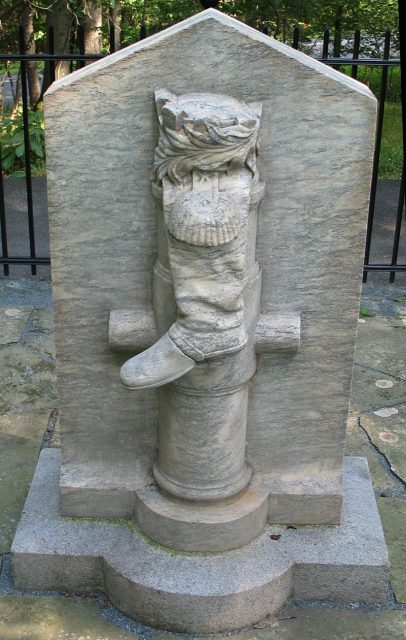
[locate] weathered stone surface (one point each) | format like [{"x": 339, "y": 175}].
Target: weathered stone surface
[
  {"x": 381, "y": 345},
  {"x": 304, "y": 503},
  {"x": 367, "y": 395},
  {"x": 20, "y": 442},
  {"x": 277, "y": 333},
  {"x": 107, "y": 246},
  {"x": 25, "y": 292},
  {"x": 28, "y": 392},
  {"x": 40, "y": 334},
  {"x": 131, "y": 329},
  {"x": 162, "y": 363},
  {"x": 43, "y": 320},
  {"x": 393, "y": 515},
  {"x": 380, "y": 368},
  {"x": 382, "y": 298},
  {"x": 200, "y": 527},
  {"x": 27, "y": 381},
  {"x": 56, "y": 435},
  {"x": 358, "y": 444},
  {"x": 206, "y": 181},
  {"x": 201, "y": 592},
  {"x": 44, "y": 618},
  {"x": 53, "y": 618},
  {"x": 295, "y": 623},
  {"x": 12, "y": 323},
  {"x": 387, "y": 433},
  {"x": 42, "y": 342}
]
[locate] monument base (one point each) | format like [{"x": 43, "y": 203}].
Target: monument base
[
  {"x": 196, "y": 592},
  {"x": 201, "y": 527}
]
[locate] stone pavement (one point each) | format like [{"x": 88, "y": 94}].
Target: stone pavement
[{"x": 28, "y": 421}]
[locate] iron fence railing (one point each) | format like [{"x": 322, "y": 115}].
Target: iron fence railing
[{"x": 78, "y": 59}]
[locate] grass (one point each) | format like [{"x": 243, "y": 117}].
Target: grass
[
  {"x": 371, "y": 76},
  {"x": 364, "y": 312},
  {"x": 391, "y": 159}
]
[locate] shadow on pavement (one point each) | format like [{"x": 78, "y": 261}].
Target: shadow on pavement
[{"x": 15, "y": 197}]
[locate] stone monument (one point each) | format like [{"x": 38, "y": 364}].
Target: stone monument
[{"x": 208, "y": 191}]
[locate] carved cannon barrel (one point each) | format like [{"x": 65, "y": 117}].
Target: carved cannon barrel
[{"x": 202, "y": 443}]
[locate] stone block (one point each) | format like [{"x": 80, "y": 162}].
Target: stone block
[
  {"x": 201, "y": 592},
  {"x": 317, "y": 131}
]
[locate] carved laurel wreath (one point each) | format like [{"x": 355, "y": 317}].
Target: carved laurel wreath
[{"x": 214, "y": 149}]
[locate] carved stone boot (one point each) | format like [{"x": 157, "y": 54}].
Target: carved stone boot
[
  {"x": 158, "y": 365},
  {"x": 205, "y": 168},
  {"x": 208, "y": 270}
]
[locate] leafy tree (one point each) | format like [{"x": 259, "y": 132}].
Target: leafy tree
[{"x": 133, "y": 19}]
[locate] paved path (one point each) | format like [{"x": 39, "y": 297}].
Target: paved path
[
  {"x": 28, "y": 421},
  {"x": 15, "y": 200}
]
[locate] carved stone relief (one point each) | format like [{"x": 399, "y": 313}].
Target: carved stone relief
[
  {"x": 205, "y": 168},
  {"x": 206, "y": 309}
]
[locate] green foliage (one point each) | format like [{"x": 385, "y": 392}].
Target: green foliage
[
  {"x": 391, "y": 159},
  {"x": 371, "y": 76},
  {"x": 12, "y": 142},
  {"x": 364, "y": 312},
  {"x": 372, "y": 16},
  {"x": 156, "y": 15}
]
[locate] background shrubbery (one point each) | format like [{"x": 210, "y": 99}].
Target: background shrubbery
[
  {"x": 132, "y": 19},
  {"x": 12, "y": 142}
]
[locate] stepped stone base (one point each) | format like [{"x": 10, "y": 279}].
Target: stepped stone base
[
  {"x": 196, "y": 592},
  {"x": 201, "y": 527}
]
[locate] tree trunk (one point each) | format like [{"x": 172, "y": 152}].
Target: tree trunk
[
  {"x": 17, "y": 92},
  {"x": 275, "y": 8},
  {"x": 116, "y": 18},
  {"x": 60, "y": 19},
  {"x": 34, "y": 86},
  {"x": 337, "y": 31},
  {"x": 285, "y": 23},
  {"x": 92, "y": 23},
  {"x": 126, "y": 22}
]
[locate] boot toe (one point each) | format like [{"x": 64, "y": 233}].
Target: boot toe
[{"x": 158, "y": 365}]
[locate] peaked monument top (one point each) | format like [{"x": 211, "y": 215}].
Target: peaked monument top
[{"x": 224, "y": 20}]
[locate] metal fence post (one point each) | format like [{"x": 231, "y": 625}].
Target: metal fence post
[
  {"x": 377, "y": 152},
  {"x": 27, "y": 160},
  {"x": 355, "y": 52},
  {"x": 3, "y": 224}
]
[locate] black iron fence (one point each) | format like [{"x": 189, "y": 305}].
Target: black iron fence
[{"x": 79, "y": 58}]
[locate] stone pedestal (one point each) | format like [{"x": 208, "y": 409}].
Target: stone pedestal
[{"x": 202, "y": 592}]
